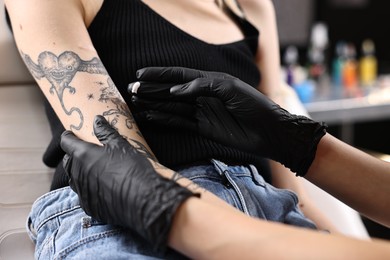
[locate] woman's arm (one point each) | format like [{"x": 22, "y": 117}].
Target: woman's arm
[
  {"x": 54, "y": 43},
  {"x": 354, "y": 177},
  {"x": 203, "y": 231},
  {"x": 261, "y": 14},
  {"x": 192, "y": 225}
]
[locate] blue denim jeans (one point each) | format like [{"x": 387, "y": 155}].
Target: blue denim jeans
[{"x": 61, "y": 229}]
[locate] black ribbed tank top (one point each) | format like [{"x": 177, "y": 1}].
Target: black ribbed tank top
[{"x": 129, "y": 35}]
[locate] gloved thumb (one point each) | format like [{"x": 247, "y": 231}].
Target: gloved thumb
[{"x": 104, "y": 132}]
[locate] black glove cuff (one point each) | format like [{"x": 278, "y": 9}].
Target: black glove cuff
[
  {"x": 302, "y": 136},
  {"x": 158, "y": 213},
  {"x": 306, "y": 161},
  {"x": 163, "y": 223}
]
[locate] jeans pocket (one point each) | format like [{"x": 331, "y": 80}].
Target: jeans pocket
[{"x": 45, "y": 245}]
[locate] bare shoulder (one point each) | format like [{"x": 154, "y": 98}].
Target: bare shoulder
[
  {"x": 258, "y": 5},
  {"x": 23, "y": 4},
  {"x": 258, "y": 11},
  {"x": 42, "y": 7}
]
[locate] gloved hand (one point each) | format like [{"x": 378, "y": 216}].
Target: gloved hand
[
  {"x": 118, "y": 185},
  {"x": 223, "y": 108}
]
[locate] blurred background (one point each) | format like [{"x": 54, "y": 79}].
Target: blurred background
[{"x": 336, "y": 56}]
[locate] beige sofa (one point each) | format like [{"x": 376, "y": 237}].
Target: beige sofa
[{"x": 24, "y": 134}]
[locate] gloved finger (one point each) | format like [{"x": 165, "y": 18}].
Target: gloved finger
[
  {"x": 196, "y": 88},
  {"x": 71, "y": 143},
  {"x": 169, "y": 74},
  {"x": 167, "y": 120},
  {"x": 156, "y": 90},
  {"x": 177, "y": 74},
  {"x": 229, "y": 91},
  {"x": 67, "y": 164},
  {"x": 104, "y": 132},
  {"x": 178, "y": 108}
]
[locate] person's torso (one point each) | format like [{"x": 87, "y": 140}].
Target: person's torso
[{"x": 129, "y": 35}]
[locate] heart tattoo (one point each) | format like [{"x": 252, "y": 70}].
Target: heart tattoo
[{"x": 60, "y": 71}]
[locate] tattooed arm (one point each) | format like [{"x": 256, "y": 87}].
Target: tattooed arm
[{"x": 54, "y": 43}]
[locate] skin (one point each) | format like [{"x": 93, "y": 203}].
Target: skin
[
  {"x": 262, "y": 14},
  {"x": 251, "y": 238},
  {"x": 354, "y": 177},
  {"x": 70, "y": 74},
  {"x": 88, "y": 90}
]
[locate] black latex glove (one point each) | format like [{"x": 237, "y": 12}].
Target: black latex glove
[
  {"x": 118, "y": 185},
  {"x": 223, "y": 108}
]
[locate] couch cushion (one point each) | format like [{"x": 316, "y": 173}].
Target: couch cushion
[
  {"x": 25, "y": 133},
  {"x": 12, "y": 69}
]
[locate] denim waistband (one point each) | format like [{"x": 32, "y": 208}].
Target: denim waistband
[{"x": 217, "y": 169}]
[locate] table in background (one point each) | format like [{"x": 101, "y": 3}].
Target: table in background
[{"x": 335, "y": 105}]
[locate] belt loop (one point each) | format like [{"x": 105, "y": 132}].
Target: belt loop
[{"x": 220, "y": 166}]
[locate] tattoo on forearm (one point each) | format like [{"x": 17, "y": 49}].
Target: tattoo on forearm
[
  {"x": 60, "y": 71},
  {"x": 176, "y": 176},
  {"x": 196, "y": 188},
  {"x": 111, "y": 93},
  {"x": 141, "y": 148}
]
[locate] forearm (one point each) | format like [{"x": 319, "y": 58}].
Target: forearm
[
  {"x": 203, "y": 231},
  {"x": 356, "y": 178}
]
